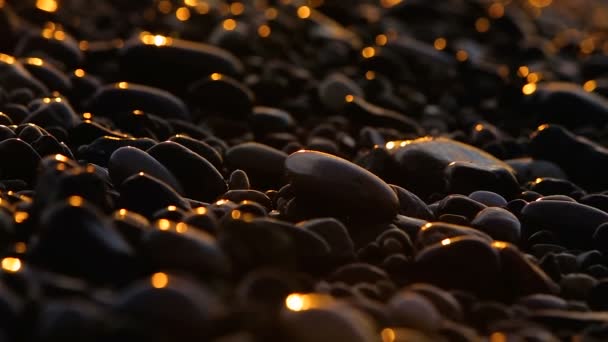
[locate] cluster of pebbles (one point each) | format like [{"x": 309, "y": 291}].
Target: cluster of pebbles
[{"x": 305, "y": 171}]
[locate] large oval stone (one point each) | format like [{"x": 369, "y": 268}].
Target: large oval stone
[
  {"x": 327, "y": 182},
  {"x": 422, "y": 163}
]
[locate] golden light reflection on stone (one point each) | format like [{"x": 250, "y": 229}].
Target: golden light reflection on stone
[
  {"x": 271, "y": 13},
  {"x": 229, "y": 24},
  {"x": 182, "y": 14},
  {"x": 303, "y": 12},
  {"x": 164, "y": 224},
  {"x": 388, "y": 335},
  {"x": 496, "y": 10},
  {"x": 590, "y": 86},
  {"x": 523, "y": 71},
  {"x": 349, "y": 98},
  {"x": 216, "y": 76},
  {"x": 201, "y": 211},
  {"x": 381, "y": 39},
  {"x": 528, "y": 89},
  {"x": 237, "y": 8},
  {"x": 159, "y": 280},
  {"x": 11, "y": 265},
  {"x": 440, "y": 43},
  {"x": 122, "y": 85},
  {"x": 34, "y": 61},
  {"x": 462, "y": 55},
  {"x": 264, "y": 31},
  {"x": 370, "y": 75},
  {"x": 294, "y": 302},
  {"x": 75, "y": 201},
  {"x": 21, "y": 216},
  {"x": 47, "y": 5},
  {"x": 20, "y": 247},
  {"x": 446, "y": 242},
  {"x": 368, "y": 52},
  {"x": 7, "y": 59},
  {"x": 482, "y": 25}
]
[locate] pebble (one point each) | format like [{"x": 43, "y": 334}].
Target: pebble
[
  {"x": 263, "y": 164},
  {"x": 574, "y": 222},
  {"x": 197, "y": 176},
  {"x": 437, "y": 154},
  {"x": 329, "y": 181},
  {"x": 488, "y": 198},
  {"x": 498, "y": 223}
]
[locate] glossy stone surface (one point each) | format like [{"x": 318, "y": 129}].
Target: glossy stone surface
[{"x": 324, "y": 180}]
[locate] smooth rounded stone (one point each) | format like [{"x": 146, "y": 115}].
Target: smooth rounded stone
[
  {"x": 520, "y": 276},
  {"x": 598, "y": 201},
  {"x": 199, "y": 178},
  {"x": 266, "y": 120},
  {"x": 87, "y": 131},
  {"x": 413, "y": 310},
  {"x": 219, "y": 94},
  {"x": 18, "y": 160},
  {"x": 49, "y": 145},
  {"x": 30, "y": 132},
  {"x": 145, "y": 195},
  {"x": 528, "y": 169},
  {"x": 365, "y": 113},
  {"x": 6, "y": 133},
  {"x": 557, "y": 198},
  {"x": 128, "y": 161},
  {"x": 411, "y": 205},
  {"x": 75, "y": 239},
  {"x": 530, "y": 196},
  {"x": 238, "y": 180},
  {"x": 556, "y": 144},
  {"x": 499, "y": 223},
  {"x": 15, "y": 75},
  {"x": 488, "y": 198},
  {"x": 539, "y": 250},
  {"x": 169, "y": 307},
  {"x": 358, "y": 272},
  {"x": 100, "y": 150},
  {"x": 574, "y": 222},
  {"x": 130, "y": 225},
  {"x": 551, "y": 102},
  {"x": 543, "y": 301},
  {"x": 336, "y": 235},
  {"x": 15, "y": 112},
  {"x": 238, "y": 196},
  {"x": 177, "y": 246},
  {"x": 589, "y": 258},
  {"x": 567, "y": 262},
  {"x": 263, "y": 164},
  {"x": 324, "y": 319},
  {"x": 201, "y": 148},
  {"x": 253, "y": 242},
  {"x": 435, "y": 232},
  {"x": 553, "y": 186},
  {"x": 395, "y": 241},
  {"x": 459, "y": 263},
  {"x": 460, "y": 205},
  {"x": 126, "y": 97},
  {"x": 576, "y": 286},
  {"x": 51, "y": 112},
  {"x": 48, "y": 74},
  {"x": 183, "y": 61},
  {"x": 328, "y": 182},
  {"x": 443, "y": 301},
  {"x": 464, "y": 177},
  {"x": 60, "y": 320},
  {"x": 333, "y": 89},
  {"x": 422, "y": 163}
]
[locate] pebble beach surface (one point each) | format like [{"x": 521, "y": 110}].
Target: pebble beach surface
[{"x": 306, "y": 171}]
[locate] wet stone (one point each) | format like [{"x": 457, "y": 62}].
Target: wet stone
[
  {"x": 499, "y": 223},
  {"x": 423, "y": 162},
  {"x": 198, "y": 177},
  {"x": 575, "y": 222},
  {"x": 324, "y": 181}
]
